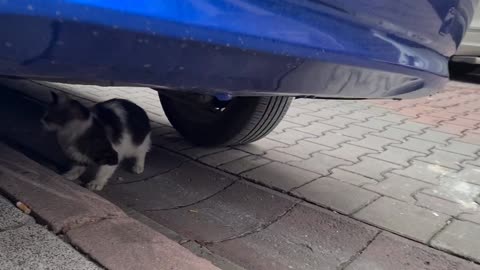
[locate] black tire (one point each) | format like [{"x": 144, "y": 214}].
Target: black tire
[{"x": 243, "y": 120}]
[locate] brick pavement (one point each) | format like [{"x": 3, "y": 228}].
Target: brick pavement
[{"x": 410, "y": 167}]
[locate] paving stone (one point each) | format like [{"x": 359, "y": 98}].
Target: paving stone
[
  {"x": 336, "y": 195},
  {"x": 349, "y": 152},
  {"x": 220, "y": 158},
  {"x": 260, "y": 147},
  {"x": 417, "y": 145},
  {"x": 290, "y": 137},
  {"x": 327, "y": 113},
  {"x": 282, "y": 176},
  {"x": 361, "y": 115},
  {"x": 244, "y": 164},
  {"x": 435, "y": 136},
  {"x": 339, "y": 121},
  {"x": 450, "y": 129},
  {"x": 285, "y": 126},
  {"x": 395, "y": 134},
  {"x": 330, "y": 139},
  {"x": 157, "y": 162},
  {"x": 296, "y": 111},
  {"x": 466, "y": 149},
  {"x": 398, "y": 187},
  {"x": 425, "y": 172},
  {"x": 389, "y": 251},
  {"x": 352, "y": 178},
  {"x": 198, "y": 152},
  {"x": 371, "y": 167},
  {"x": 374, "y": 123},
  {"x": 320, "y": 163},
  {"x": 305, "y": 238},
  {"x": 438, "y": 205},
  {"x": 280, "y": 156},
  {"x": 468, "y": 123},
  {"x": 460, "y": 237},
  {"x": 392, "y": 117},
  {"x": 472, "y": 138},
  {"x": 412, "y": 126},
  {"x": 11, "y": 217},
  {"x": 396, "y": 155},
  {"x": 472, "y": 217},
  {"x": 373, "y": 142},
  {"x": 185, "y": 185},
  {"x": 469, "y": 174},
  {"x": 34, "y": 247},
  {"x": 303, "y": 119},
  {"x": 317, "y": 129},
  {"x": 304, "y": 149},
  {"x": 355, "y": 131},
  {"x": 240, "y": 208},
  {"x": 445, "y": 159},
  {"x": 457, "y": 191},
  {"x": 407, "y": 220},
  {"x": 124, "y": 243},
  {"x": 44, "y": 191}
]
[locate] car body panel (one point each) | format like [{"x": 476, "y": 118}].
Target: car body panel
[{"x": 328, "y": 48}]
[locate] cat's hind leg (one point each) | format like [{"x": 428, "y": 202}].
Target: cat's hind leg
[{"x": 140, "y": 154}]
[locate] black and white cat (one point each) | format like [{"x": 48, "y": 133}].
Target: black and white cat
[{"x": 102, "y": 135}]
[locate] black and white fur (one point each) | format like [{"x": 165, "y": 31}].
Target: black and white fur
[{"x": 102, "y": 135}]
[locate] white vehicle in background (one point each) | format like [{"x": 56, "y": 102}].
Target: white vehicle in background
[{"x": 467, "y": 57}]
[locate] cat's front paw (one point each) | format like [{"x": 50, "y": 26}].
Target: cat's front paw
[
  {"x": 138, "y": 169},
  {"x": 94, "y": 185}
]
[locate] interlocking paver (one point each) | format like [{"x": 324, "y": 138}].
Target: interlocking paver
[
  {"x": 392, "y": 117},
  {"x": 339, "y": 121},
  {"x": 320, "y": 163},
  {"x": 398, "y": 187},
  {"x": 244, "y": 164},
  {"x": 469, "y": 174},
  {"x": 456, "y": 191},
  {"x": 374, "y": 123},
  {"x": 371, "y": 167},
  {"x": 424, "y": 171},
  {"x": 260, "y": 147},
  {"x": 303, "y": 149},
  {"x": 330, "y": 139},
  {"x": 355, "y": 131},
  {"x": 337, "y": 195},
  {"x": 290, "y": 137},
  {"x": 462, "y": 148},
  {"x": 417, "y": 145},
  {"x": 317, "y": 129},
  {"x": 223, "y": 157},
  {"x": 373, "y": 142},
  {"x": 435, "y": 136},
  {"x": 396, "y": 155},
  {"x": 352, "y": 178},
  {"x": 460, "y": 237},
  {"x": 438, "y": 205},
  {"x": 282, "y": 176},
  {"x": 403, "y": 218},
  {"x": 349, "y": 152},
  {"x": 389, "y": 251},
  {"x": 472, "y": 217},
  {"x": 306, "y": 238},
  {"x": 445, "y": 159},
  {"x": 395, "y": 134},
  {"x": 280, "y": 156}
]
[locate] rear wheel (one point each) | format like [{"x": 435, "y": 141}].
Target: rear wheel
[{"x": 207, "y": 121}]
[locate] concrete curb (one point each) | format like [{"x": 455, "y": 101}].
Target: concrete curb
[{"x": 92, "y": 224}]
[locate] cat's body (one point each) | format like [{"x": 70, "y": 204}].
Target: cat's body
[{"x": 103, "y": 135}]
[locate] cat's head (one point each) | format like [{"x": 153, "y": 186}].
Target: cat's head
[{"x": 63, "y": 110}]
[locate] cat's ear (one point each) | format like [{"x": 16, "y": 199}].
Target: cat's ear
[{"x": 54, "y": 97}]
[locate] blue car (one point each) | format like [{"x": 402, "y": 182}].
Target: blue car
[{"x": 227, "y": 70}]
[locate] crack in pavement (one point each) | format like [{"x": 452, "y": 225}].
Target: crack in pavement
[
  {"x": 346, "y": 263},
  {"x": 255, "y": 230}
]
